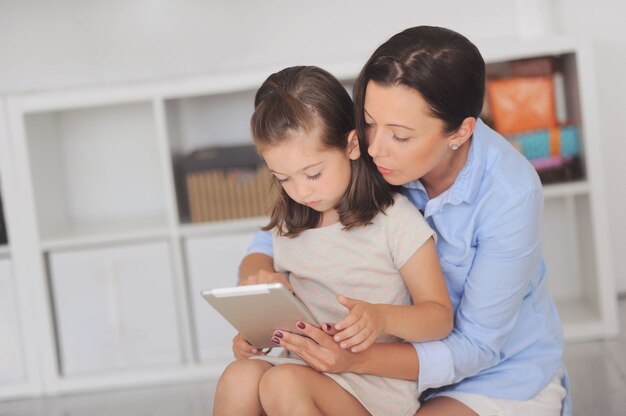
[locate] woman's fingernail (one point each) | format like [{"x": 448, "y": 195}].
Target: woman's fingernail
[
  {"x": 337, "y": 338},
  {"x": 301, "y": 325},
  {"x": 275, "y": 340},
  {"x": 278, "y": 334},
  {"x": 343, "y": 345},
  {"x": 254, "y": 350}
]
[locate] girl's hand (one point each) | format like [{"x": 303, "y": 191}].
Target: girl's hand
[
  {"x": 364, "y": 323},
  {"x": 317, "y": 348},
  {"x": 242, "y": 349},
  {"x": 263, "y": 276}
]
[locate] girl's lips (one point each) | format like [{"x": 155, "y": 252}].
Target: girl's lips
[
  {"x": 312, "y": 203},
  {"x": 384, "y": 170}
]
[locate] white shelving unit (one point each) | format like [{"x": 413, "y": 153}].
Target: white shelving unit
[{"x": 104, "y": 268}]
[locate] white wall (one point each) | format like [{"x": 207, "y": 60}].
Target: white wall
[
  {"x": 58, "y": 43},
  {"x": 50, "y": 44}
]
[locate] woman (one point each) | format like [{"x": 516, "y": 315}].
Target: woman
[{"x": 417, "y": 103}]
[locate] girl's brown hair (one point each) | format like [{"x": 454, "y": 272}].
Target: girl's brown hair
[{"x": 307, "y": 99}]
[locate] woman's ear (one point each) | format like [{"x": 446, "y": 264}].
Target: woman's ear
[
  {"x": 354, "y": 152},
  {"x": 463, "y": 133}
]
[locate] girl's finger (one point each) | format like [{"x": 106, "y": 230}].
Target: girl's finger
[
  {"x": 355, "y": 340},
  {"x": 350, "y": 331},
  {"x": 348, "y": 320},
  {"x": 364, "y": 345}
]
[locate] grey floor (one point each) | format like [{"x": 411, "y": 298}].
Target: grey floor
[{"x": 597, "y": 371}]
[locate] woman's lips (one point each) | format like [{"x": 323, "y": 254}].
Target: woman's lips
[
  {"x": 312, "y": 203},
  {"x": 384, "y": 170}
]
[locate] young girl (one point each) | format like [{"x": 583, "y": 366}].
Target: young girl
[{"x": 342, "y": 234}]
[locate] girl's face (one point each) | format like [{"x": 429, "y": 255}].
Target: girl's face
[
  {"x": 311, "y": 176},
  {"x": 405, "y": 141}
]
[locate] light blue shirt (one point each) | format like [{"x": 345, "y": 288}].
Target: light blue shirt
[{"x": 507, "y": 340}]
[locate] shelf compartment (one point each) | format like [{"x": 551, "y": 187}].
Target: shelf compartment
[
  {"x": 201, "y": 122},
  {"x": 113, "y": 304},
  {"x": 94, "y": 166},
  {"x": 556, "y": 147}
]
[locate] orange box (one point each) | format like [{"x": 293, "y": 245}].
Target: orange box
[{"x": 521, "y": 104}]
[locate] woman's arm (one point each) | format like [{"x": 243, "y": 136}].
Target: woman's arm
[
  {"x": 253, "y": 263},
  {"x": 321, "y": 352},
  {"x": 258, "y": 266}
]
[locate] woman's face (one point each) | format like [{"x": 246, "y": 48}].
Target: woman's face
[{"x": 405, "y": 141}]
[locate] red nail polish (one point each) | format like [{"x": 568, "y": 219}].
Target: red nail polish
[
  {"x": 278, "y": 334},
  {"x": 275, "y": 340},
  {"x": 301, "y": 325}
]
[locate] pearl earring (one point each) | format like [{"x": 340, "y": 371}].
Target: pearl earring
[{"x": 454, "y": 146}]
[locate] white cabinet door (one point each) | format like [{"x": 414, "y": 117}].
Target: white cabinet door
[
  {"x": 213, "y": 262},
  {"x": 114, "y": 308},
  {"x": 11, "y": 360}
]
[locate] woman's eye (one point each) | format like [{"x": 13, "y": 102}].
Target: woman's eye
[
  {"x": 281, "y": 180},
  {"x": 314, "y": 177},
  {"x": 401, "y": 139}
]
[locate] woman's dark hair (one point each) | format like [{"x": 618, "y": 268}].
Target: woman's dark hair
[
  {"x": 442, "y": 65},
  {"x": 307, "y": 99}
]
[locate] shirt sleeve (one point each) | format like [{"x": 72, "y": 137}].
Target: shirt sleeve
[
  {"x": 435, "y": 360},
  {"x": 407, "y": 230},
  {"x": 508, "y": 253},
  {"x": 261, "y": 243}
]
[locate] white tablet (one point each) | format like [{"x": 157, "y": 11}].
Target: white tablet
[{"x": 256, "y": 311}]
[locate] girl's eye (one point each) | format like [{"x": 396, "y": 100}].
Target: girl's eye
[
  {"x": 400, "y": 139},
  {"x": 281, "y": 180},
  {"x": 314, "y": 177}
]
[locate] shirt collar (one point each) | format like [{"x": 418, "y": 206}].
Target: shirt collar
[{"x": 469, "y": 178}]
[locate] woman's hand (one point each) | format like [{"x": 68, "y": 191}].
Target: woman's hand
[
  {"x": 242, "y": 349},
  {"x": 360, "y": 329},
  {"x": 317, "y": 348},
  {"x": 263, "y": 276}
]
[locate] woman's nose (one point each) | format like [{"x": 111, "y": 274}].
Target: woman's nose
[{"x": 374, "y": 144}]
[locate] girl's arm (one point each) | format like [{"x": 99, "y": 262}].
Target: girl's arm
[{"x": 429, "y": 318}]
